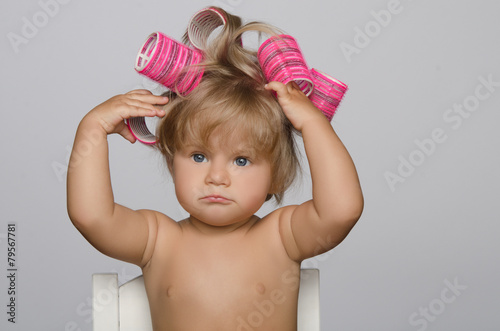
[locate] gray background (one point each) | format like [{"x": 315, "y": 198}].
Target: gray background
[{"x": 424, "y": 255}]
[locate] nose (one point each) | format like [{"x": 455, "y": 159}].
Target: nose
[{"x": 218, "y": 174}]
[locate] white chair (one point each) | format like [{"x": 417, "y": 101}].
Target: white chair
[{"x": 126, "y": 307}]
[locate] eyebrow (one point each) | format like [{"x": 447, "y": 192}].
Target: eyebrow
[
  {"x": 237, "y": 147},
  {"x": 195, "y": 147},
  {"x": 245, "y": 150}
]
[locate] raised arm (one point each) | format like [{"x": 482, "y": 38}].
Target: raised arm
[
  {"x": 111, "y": 228},
  {"x": 320, "y": 224}
]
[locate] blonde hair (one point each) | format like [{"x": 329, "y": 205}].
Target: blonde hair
[{"x": 230, "y": 97}]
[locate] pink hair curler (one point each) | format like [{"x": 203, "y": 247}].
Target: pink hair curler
[
  {"x": 140, "y": 129},
  {"x": 327, "y": 94},
  {"x": 281, "y": 60},
  {"x": 167, "y": 62},
  {"x": 171, "y": 64},
  {"x": 202, "y": 24}
]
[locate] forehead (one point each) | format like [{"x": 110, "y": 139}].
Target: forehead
[
  {"x": 237, "y": 140},
  {"x": 224, "y": 126}
]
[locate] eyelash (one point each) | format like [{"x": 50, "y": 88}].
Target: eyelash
[
  {"x": 195, "y": 156},
  {"x": 247, "y": 161}
]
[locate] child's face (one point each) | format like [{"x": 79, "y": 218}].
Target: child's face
[{"x": 224, "y": 185}]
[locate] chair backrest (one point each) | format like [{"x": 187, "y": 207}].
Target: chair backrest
[{"x": 126, "y": 307}]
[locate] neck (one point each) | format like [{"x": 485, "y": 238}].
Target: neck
[{"x": 238, "y": 227}]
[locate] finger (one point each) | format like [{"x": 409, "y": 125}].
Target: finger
[
  {"x": 139, "y": 91},
  {"x": 293, "y": 86},
  {"x": 142, "y": 107},
  {"x": 142, "y": 111},
  {"x": 148, "y": 98},
  {"x": 278, "y": 87},
  {"x": 127, "y": 134},
  {"x": 123, "y": 130},
  {"x": 130, "y": 109}
]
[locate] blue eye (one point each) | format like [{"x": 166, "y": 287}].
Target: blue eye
[
  {"x": 198, "y": 158},
  {"x": 241, "y": 162}
]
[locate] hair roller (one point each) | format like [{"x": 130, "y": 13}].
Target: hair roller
[
  {"x": 202, "y": 24},
  {"x": 178, "y": 67},
  {"x": 169, "y": 63},
  {"x": 281, "y": 60},
  {"x": 140, "y": 130},
  {"x": 327, "y": 93}
]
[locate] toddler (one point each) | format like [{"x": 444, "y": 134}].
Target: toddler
[{"x": 229, "y": 146}]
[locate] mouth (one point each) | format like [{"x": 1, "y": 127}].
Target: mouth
[{"x": 216, "y": 199}]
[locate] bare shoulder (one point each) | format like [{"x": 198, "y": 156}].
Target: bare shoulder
[
  {"x": 163, "y": 232},
  {"x": 280, "y": 219},
  {"x": 157, "y": 220},
  {"x": 272, "y": 219},
  {"x": 280, "y": 214},
  {"x": 305, "y": 234}
]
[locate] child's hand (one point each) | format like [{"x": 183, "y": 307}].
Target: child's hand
[
  {"x": 297, "y": 107},
  {"x": 110, "y": 115}
]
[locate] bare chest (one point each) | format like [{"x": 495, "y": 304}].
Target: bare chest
[
  {"x": 209, "y": 271},
  {"x": 226, "y": 283}
]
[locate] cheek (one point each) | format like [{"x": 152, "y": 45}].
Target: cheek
[
  {"x": 267, "y": 179},
  {"x": 183, "y": 183},
  {"x": 186, "y": 192},
  {"x": 259, "y": 184},
  {"x": 256, "y": 195}
]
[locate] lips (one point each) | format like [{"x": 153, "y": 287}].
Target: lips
[{"x": 216, "y": 199}]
